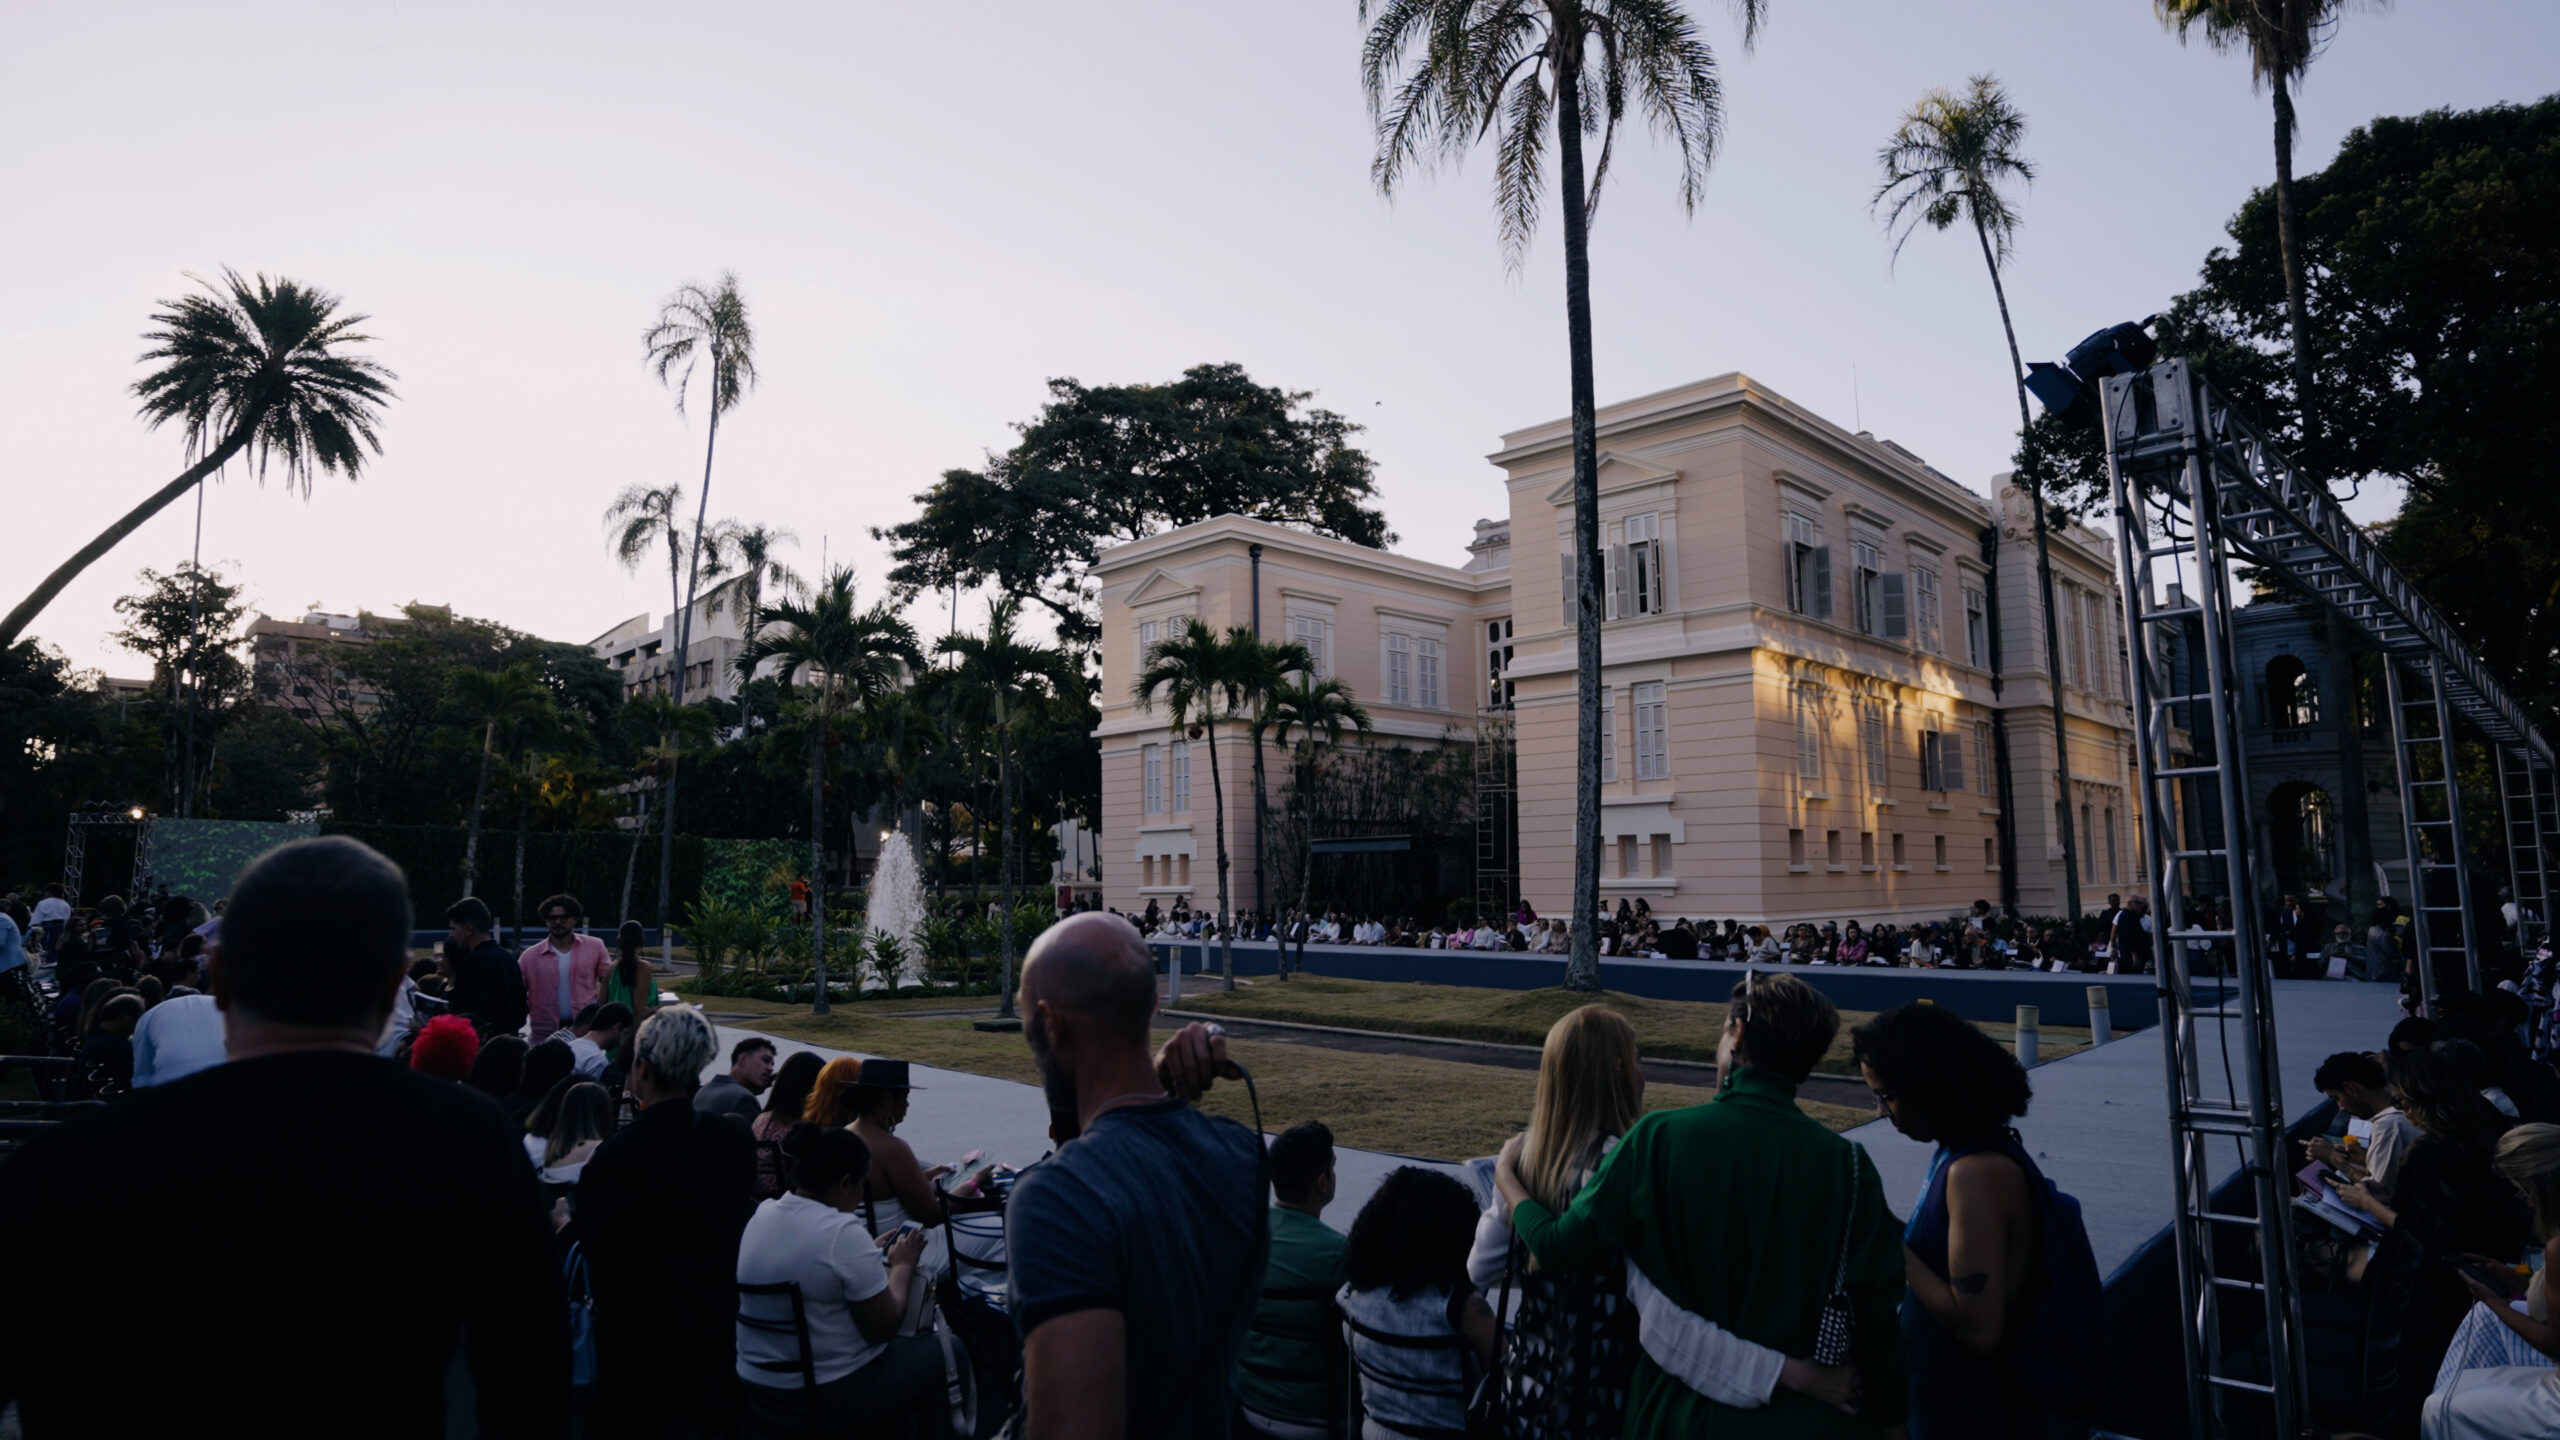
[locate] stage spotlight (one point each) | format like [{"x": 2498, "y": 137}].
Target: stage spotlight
[{"x": 2068, "y": 388}]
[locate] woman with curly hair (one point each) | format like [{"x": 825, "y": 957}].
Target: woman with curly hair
[
  {"x": 1420, "y": 1334},
  {"x": 1971, "y": 1246}
]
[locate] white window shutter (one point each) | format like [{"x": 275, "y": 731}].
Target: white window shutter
[
  {"x": 1950, "y": 761},
  {"x": 1821, "y": 583},
  {"x": 1572, "y": 587},
  {"x": 1621, "y": 604},
  {"x": 1897, "y": 610}
]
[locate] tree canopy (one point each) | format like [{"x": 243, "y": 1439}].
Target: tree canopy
[
  {"x": 1102, "y": 464},
  {"x": 2435, "y": 330}
]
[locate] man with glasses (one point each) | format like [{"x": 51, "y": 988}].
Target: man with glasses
[{"x": 563, "y": 971}]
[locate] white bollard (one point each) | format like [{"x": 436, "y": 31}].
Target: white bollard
[
  {"x": 2102, "y": 1026},
  {"x": 2027, "y": 1016},
  {"x": 1173, "y": 977}
]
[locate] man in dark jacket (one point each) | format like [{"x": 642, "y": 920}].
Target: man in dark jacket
[
  {"x": 663, "y": 1204},
  {"x": 487, "y": 986}
]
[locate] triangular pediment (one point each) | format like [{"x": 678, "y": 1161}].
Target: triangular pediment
[
  {"x": 1617, "y": 472},
  {"x": 1160, "y": 584}
]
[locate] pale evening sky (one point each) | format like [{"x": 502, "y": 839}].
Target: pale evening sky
[{"x": 934, "y": 208}]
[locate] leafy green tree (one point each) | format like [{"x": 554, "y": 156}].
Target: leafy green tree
[
  {"x": 708, "y": 328},
  {"x": 661, "y": 730},
  {"x": 187, "y": 623},
  {"x": 1015, "y": 677},
  {"x": 254, "y": 367},
  {"x": 1951, "y": 159},
  {"x": 1275, "y": 663},
  {"x": 2281, "y": 38},
  {"x": 1205, "y": 678},
  {"x": 1316, "y": 711},
  {"x": 498, "y": 699},
  {"x": 754, "y": 551},
  {"x": 61, "y": 743},
  {"x": 849, "y": 657},
  {"x": 1111, "y": 463},
  {"x": 1443, "y": 74}
]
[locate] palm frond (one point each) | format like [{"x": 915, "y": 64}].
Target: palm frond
[{"x": 698, "y": 324}]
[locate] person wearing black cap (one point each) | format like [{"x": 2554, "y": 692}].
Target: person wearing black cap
[{"x": 899, "y": 1191}]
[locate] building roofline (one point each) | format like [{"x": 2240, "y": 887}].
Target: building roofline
[{"x": 1233, "y": 528}]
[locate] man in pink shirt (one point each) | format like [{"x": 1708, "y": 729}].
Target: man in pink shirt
[{"x": 564, "y": 970}]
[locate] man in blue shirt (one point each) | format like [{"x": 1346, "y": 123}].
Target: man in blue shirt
[{"x": 1137, "y": 1251}]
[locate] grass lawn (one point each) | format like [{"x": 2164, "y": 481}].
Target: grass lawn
[
  {"x": 740, "y": 1005},
  {"x": 1440, "y": 1109},
  {"x": 1665, "y": 1029}
]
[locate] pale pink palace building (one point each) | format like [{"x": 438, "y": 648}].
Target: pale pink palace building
[{"x": 1797, "y": 670}]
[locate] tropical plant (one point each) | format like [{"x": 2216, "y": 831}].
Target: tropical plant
[
  {"x": 754, "y": 552},
  {"x": 723, "y": 933},
  {"x": 496, "y": 699},
  {"x": 1011, "y": 675},
  {"x": 1204, "y": 678},
  {"x": 256, "y": 367},
  {"x": 1316, "y": 710},
  {"x": 1951, "y": 159},
  {"x": 2282, "y": 38},
  {"x": 885, "y": 957},
  {"x": 1277, "y": 662},
  {"x": 1441, "y": 75},
  {"x": 697, "y": 327},
  {"x": 848, "y": 657}
]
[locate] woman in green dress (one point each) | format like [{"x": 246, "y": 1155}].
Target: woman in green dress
[{"x": 632, "y": 980}]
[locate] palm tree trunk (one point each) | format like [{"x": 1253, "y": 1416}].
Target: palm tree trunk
[
  {"x": 159, "y": 500},
  {"x": 2044, "y": 582},
  {"x": 1004, "y": 860},
  {"x": 631, "y": 860},
  {"x": 2297, "y": 299},
  {"x": 1261, "y": 835},
  {"x": 1218, "y": 817},
  {"x": 1582, "y": 971},
  {"x": 818, "y": 856},
  {"x": 524, "y": 806},
  {"x": 479, "y": 791},
  {"x": 672, "y": 743}
]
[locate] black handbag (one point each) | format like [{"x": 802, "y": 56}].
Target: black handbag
[{"x": 1838, "y": 1325}]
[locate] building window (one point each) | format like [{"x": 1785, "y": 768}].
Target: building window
[
  {"x": 1941, "y": 761},
  {"x": 2093, "y": 638},
  {"x": 2293, "y": 700},
  {"x": 1924, "y": 604},
  {"x": 1938, "y": 849},
  {"x": 1626, "y": 857},
  {"x": 1990, "y": 853},
  {"x": 2115, "y": 856},
  {"x": 1985, "y": 779},
  {"x": 1661, "y": 856},
  {"x": 1147, "y": 870},
  {"x": 1977, "y": 628},
  {"x": 1182, "y": 871},
  {"x": 1653, "y": 732},
  {"x": 1181, "y": 777},
  {"x": 1313, "y": 631},
  {"x": 1497, "y": 663},
  {"x": 1871, "y": 741},
  {"x": 1831, "y": 854},
  {"x": 1399, "y": 669},
  {"x": 1795, "y": 849},
  {"x": 2088, "y": 831},
  {"x": 1901, "y": 860},
  {"x": 1867, "y": 848},
  {"x": 1608, "y": 733},
  {"x": 1808, "y": 706},
  {"x": 1152, "y": 759},
  {"x": 1866, "y": 568},
  {"x": 1426, "y": 674},
  {"x": 1635, "y": 582},
  {"x": 1808, "y": 568}
]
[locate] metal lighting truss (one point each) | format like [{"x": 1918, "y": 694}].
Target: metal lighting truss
[
  {"x": 75, "y": 849},
  {"x": 2196, "y": 487}
]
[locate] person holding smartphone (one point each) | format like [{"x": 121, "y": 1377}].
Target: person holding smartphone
[{"x": 2499, "y": 1379}]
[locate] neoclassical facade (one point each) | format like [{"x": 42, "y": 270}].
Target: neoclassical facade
[{"x": 1798, "y": 679}]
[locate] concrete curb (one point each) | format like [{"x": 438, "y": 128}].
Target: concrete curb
[{"x": 1399, "y": 1035}]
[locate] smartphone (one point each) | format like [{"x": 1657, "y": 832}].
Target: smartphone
[
  {"x": 2333, "y": 1179},
  {"x": 2489, "y": 1281}
]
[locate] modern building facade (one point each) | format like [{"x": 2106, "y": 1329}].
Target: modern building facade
[{"x": 1798, "y": 643}]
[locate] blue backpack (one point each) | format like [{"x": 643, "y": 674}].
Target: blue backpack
[{"x": 2063, "y": 1351}]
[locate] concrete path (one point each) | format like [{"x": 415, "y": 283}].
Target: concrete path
[{"x": 953, "y": 1113}]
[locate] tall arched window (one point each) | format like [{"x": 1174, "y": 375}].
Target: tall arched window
[{"x": 2293, "y": 701}]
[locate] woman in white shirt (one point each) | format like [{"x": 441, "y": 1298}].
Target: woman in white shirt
[
  {"x": 574, "y": 1119},
  {"x": 853, "y": 1292}
]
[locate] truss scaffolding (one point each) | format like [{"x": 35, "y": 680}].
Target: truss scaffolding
[{"x": 2197, "y": 489}]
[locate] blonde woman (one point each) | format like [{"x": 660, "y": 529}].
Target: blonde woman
[{"x": 2490, "y": 1385}]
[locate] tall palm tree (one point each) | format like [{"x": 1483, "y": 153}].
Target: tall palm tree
[
  {"x": 643, "y": 516},
  {"x": 1278, "y": 661},
  {"x": 1204, "y": 678},
  {"x": 754, "y": 551},
  {"x": 1442, "y": 74},
  {"x": 1317, "y": 710},
  {"x": 2282, "y": 38},
  {"x": 1951, "y": 159},
  {"x": 663, "y": 728},
  {"x": 706, "y": 328},
  {"x": 1012, "y": 676},
  {"x": 497, "y": 699},
  {"x": 256, "y": 366},
  {"x": 850, "y": 657}
]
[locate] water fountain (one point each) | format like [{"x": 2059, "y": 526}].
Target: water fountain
[{"x": 897, "y": 902}]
